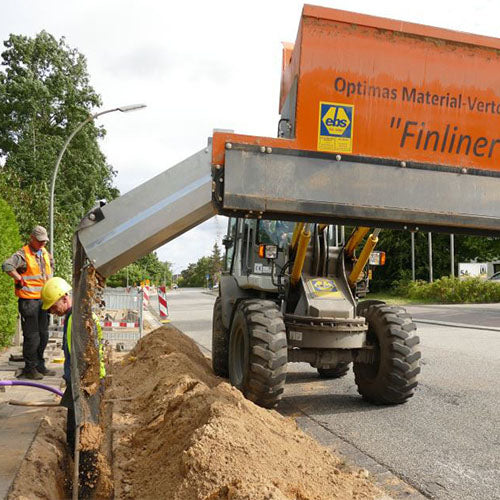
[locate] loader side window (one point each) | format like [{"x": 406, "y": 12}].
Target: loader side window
[
  {"x": 247, "y": 245},
  {"x": 230, "y": 243},
  {"x": 275, "y": 232}
]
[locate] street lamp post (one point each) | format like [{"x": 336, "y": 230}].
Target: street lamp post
[
  {"x": 452, "y": 254},
  {"x": 123, "y": 109},
  {"x": 431, "y": 273},
  {"x": 413, "y": 255}
]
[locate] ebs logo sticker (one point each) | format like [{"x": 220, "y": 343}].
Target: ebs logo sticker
[
  {"x": 336, "y": 122},
  {"x": 322, "y": 287}
]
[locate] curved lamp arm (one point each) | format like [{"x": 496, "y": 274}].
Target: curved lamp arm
[{"x": 123, "y": 109}]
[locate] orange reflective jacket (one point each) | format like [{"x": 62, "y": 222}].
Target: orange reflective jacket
[{"x": 33, "y": 276}]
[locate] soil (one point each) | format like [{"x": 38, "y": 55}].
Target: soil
[
  {"x": 44, "y": 471},
  {"x": 90, "y": 377},
  {"x": 182, "y": 433},
  {"x": 177, "y": 431}
]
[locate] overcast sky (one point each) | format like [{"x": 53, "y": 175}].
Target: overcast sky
[{"x": 198, "y": 65}]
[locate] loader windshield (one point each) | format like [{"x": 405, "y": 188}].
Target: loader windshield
[{"x": 275, "y": 232}]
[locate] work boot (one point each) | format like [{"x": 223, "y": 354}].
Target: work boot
[
  {"x": 33, "y": 374},
  {"x": 45, "y": 371}
]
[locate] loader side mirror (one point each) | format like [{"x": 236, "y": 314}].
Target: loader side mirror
[{"x": 227, "y": 241}]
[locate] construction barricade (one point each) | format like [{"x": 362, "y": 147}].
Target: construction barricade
[
  {"x": 145, "y": 295},
  {"x": 162, "y": 304},
  {"x": 122, "y": 313}
]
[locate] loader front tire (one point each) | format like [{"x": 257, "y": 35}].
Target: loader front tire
[
  {"x": 220, "y": 342},
  {"x": 338, "y": 371},
  {"x": 392, "y": 377},
  {"x": 258, "y": 352}
]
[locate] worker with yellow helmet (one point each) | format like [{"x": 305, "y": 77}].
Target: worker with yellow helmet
[{"x": 57, "y": 300}]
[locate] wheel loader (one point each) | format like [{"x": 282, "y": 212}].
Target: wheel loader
[
  {"x": 382, "y": 124},
  {"x": 288, "y": 294}
]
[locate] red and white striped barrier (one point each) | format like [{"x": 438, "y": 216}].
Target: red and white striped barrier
[
  {"x": 162, "y": 303},
  {"x": 120, "y": 324},
  {"x": 145, "y": 297}
]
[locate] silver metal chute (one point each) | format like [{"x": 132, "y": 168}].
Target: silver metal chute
[
  {"x": 286, "y": 184},
  {"x": 150, "y": 215}
]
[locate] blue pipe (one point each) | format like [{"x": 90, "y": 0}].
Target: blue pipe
[{"x": 31, "y": 384}]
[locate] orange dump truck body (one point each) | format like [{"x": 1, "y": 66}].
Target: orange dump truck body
[
  {"x": 382, "y": 123},
  {"x": 388, "y": 89},
  {"x": 363, "y": 85}
]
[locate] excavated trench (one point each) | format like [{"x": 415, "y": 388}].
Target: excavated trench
[{"x": 172, "y": 429}]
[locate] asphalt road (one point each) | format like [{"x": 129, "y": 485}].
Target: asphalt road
[
  {"x": 445, "y": 441},
  {"x": 486, "y": 315}
]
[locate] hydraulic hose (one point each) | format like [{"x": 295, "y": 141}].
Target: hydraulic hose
[
  {"x": 364, "y": 257},
  {"x": 300, "y": 256},
  {"x": 31, "y": 384},
  {"x": 355, "y": 239}
]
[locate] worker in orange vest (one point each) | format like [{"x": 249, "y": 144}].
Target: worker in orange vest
[{"x": 31, "y": 267}]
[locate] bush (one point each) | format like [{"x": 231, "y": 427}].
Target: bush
[
  {"x": 449, "y": 290},
  {"x": 9, "y": 243}
]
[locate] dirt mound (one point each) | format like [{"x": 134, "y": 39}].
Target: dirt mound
[
  {"x": 44, "y": 471},
  {"x": 182, "y": 433}
]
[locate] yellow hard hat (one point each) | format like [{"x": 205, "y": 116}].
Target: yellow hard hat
[{"x": 53, "y": 290}]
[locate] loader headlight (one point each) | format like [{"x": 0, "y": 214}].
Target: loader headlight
[
  {"x": 377, "y": 259},
  {"x": 271, "y": 252},
  {"x": 268, "y": 251}
]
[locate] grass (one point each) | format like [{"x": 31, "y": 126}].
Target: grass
[{"x": 397, "y": 300}]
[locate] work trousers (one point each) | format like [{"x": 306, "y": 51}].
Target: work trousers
[{"x": 35, "y": 325}]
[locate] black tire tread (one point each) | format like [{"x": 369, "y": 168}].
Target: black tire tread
[
  {"x": 396, "y": 379},
  {"x": 220, "y": 342},
  {"x": 268, "y": 356}
]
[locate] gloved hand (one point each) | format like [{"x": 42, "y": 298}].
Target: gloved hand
[{"x": 20, "y": 283}]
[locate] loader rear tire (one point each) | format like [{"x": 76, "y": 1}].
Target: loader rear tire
[
  {"x": 220, "y": 342},
  {"x": 392, "y": 377},
  {"x": 338, "y": 371},
  {"x": 258, "y": 352}
]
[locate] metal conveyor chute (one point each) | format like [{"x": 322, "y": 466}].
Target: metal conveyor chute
[
  {"x": 149, "y": 215},
  {"x": 290, "y": 185}
]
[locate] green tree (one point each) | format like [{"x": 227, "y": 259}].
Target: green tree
[
  {"x": 477, "y": 248},
  {"x": 195, "y": 275},
  {"x": 397, "y": 245},
  {"x": 9, "y": 243},
  {"x": 216, "y": 264},
  {"x": 45, "y": 93},
  {"x": 148, "y": 267}
]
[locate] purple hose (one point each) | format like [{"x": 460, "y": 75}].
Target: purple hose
[{"x": 31, "y": 384}]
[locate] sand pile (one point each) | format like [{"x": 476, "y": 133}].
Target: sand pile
[{"x": 181, "y": 433}]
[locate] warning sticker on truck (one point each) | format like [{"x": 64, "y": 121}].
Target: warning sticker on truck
[{"x": 336, "y": 123}]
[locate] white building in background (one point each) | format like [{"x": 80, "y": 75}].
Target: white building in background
[{"x": 482, "y": 270}]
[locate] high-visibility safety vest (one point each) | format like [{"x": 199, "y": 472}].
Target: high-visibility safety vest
[
  {"x": 67, "y": 347},
  {"x": 33, "y": 275}
]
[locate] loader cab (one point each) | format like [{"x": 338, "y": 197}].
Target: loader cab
[
  {"x": 239, "y": 243},
  {"x": 255, "y": 250}
]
